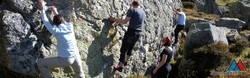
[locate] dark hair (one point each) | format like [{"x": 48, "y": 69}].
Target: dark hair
[
  {"x": 168, "y": 43},
  {"x": 135, "y": 3},
  {"x": 58, "y": 19},
  {"x": 178, "y": 10}
]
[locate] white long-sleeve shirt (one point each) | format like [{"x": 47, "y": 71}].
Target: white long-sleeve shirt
[
  {"x": 65, "y": 36},
  {"x": 181, "y": 18}
]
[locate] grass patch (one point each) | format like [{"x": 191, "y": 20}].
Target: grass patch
[
  {"x": 224, "y": 2},
  {"x": 245, "y": 54},
  {"x": 209, "y": 57},
  {"x": 138, "y": 76},
  {"x": 189, "y": 5},
  {"x": 244, "y": 32},
  {"x": 240, "y": 45},
  {"x": 191, "y": 13}
]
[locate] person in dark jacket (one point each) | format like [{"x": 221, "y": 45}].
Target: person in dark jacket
[
  {"x": 135, "y": 17},
  {"x": 163, "y": 69}
]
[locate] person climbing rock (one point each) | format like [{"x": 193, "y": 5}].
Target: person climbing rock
[
  {"x": 135, "y": 16},
  {"x": 68, "y": 53},
  {"x": 163, "y": 68},
  {"x": 181, "y": 21}
]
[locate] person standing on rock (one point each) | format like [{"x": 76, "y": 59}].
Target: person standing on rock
[
  {"x": 163, "y": 69},
  {"x": 68, "y": 53},
  {"x": 135, "y": 17},
  {"x": 181, "y": 21}
]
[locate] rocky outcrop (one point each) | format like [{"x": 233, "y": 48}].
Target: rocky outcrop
[
  {"x": 191, "y": 21},
  {"x": 223, "y": 11},
  {"x": 207, "y": 6},
  {"x": 204, "y": 33},
  {"x": 25, "y": 6},
  {"x": 199, "y": 62},
  {"x": 25, "y": 39},
  {"x": 19, "y": 47},
  {"x": 241, "y": 10},
  {"x": 206, "y": 48},
  {"x": 232, "y": 23}
]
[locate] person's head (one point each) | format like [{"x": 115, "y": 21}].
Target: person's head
[
  {"x": 135, "y": 3},
  {"x": 179, "y": 10},
  {"x": 167, "y": 41},
  {"x": 58, "y": 19}
]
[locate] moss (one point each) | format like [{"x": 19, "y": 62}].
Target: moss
[
  {"x": 192, "y": 13},
  {"x": 138, "y": 76},
  {"x": 209, "y": 57},
  {"x": 244, "y": 32},
  {"x": 224, "y": 2},
  {"x": 245, "y": 53},
  {"x": 189, "y": 5},
  {"x": 240, "y": 44}
]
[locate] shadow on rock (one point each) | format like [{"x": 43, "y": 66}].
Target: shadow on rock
[{"x": 97, "y": 61}]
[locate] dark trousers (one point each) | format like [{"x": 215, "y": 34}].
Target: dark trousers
[
  {"x": 163, "y": 72},
  {"x": 176, "y": 32},
  {"x": 128, "y": 42}
]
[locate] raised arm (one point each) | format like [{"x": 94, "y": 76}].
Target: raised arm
[
  {"x": 53, "y": 9},
  {"x": 48, "y": 25},
  {"x": 121, "y": 21}
]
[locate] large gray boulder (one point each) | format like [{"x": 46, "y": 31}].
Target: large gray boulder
[
  {"x": 207, "y": 6},
  {"x": 241, "y": 9},
  {"x": 191, "y": 21},
  {"x": 204, "y": 33},
  {"x": 206, "y": 48},
  {"x": 19, "y": 46},
  {"x": 22, "y": 6},
  {"x": 232, "y": 23},
  {"x": 223, "y": 11}
]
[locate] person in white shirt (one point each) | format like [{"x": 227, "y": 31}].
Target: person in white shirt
[
  {"x": 68, "y": 53},
  {"x": 180, "y": 24}
]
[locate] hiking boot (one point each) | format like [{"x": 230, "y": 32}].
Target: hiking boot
[{"x": 118, "y": 68}]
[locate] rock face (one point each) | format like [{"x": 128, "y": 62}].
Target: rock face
[
  {"x": 204, "y": 33},
  {"x": 20, "y": 47},
  {"x": 207, "y": 6},
  {"x": 241, "y": 9},
  {"x": 232, "y": 23},
  {"x": 22, "y": 6},
  {"x": 191, "y": 21},
  {"x": 25, "y": 39}
]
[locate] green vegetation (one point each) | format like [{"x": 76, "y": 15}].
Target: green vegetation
[
  {"x": 224, "y": 2},
  {"x": 245, "y": 54},
  {"x": 244, "y": 32},
  {"x": 208, "y": 57},
  {"x": 192, "y": 13},
  {"x": 138, "y": 76},
  {"x": 189, "y": 5},
  {"x": 240, "y": 45}
]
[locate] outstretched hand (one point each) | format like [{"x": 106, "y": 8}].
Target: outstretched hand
[
  {"x": 154, "y": 71},
  {"x": 112, "y": 19},
  {"x": 41, "y": 4},
  {"x": 53, "y": 9}
]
